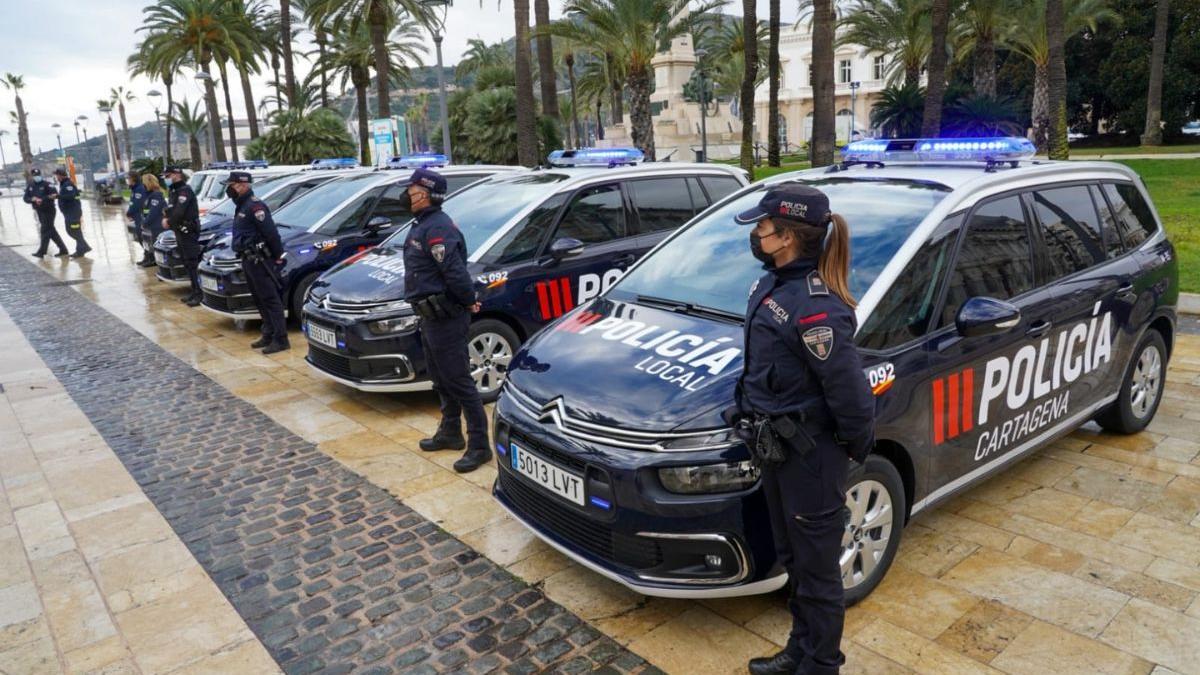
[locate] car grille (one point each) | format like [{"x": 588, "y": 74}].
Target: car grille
[
  {"x": 216, "y": 301},
  {"x": 226, "y": 263},
  {"x": 352, "y": 307},
  {"x": 331, "y": 363},
  {"x": 597, "y": 539}
]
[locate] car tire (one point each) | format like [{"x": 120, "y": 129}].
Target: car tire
[
  {"x": 491, "y": 345},
  {"x": 1141, "y": 387},
  {"x": 875, "y": 496},
  {"x": 296, "y": 306}
]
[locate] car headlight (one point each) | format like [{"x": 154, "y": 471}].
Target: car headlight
[
  {"x": 399, "y": 324},
  {"x": 709, "y": 478},
  {"x": 714, "y": 441},
  {"x": 394, "y": 307}
]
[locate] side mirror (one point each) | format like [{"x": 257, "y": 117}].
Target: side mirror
[
  {"x": 565, "y": 247},
  {"x": 378, "y": 223},
  {"x": 982, "y": 316}
]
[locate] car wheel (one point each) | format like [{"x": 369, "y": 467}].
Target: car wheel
[
  {"x": 491, "y": 345},
  {"x": 1141, "y": 388},
  {"x": 876, "y": 501},
  {"x": 296, "y": 308}
]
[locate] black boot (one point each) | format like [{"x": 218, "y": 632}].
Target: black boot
[
  {"x": 192, "y": 301},
  {"x": 277, "y": 346},
  {"x": 780, "y": 664},
  {"x": 473, "y": 459},
  {"x": 443, "y": 440},
  {"x": 261, "y": 342}
]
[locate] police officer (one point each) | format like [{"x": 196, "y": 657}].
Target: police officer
[
  {"x": 68, "y": 203},
  {"x": 41, "y": 194},
  {"x": 804, "y": 408},
  {"x": 137, "y": 196},
  {"x": 256, "y": 240},
  {"x": 438, "y": 286},
  {"x": 153, "y": 215},
  {"x": 183, "y": 216}
]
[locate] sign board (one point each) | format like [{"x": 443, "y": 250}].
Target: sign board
[{"x": 382, "y": 136}]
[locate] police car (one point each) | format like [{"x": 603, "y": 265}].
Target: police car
[
  {"x": 321, "y": 228},
  {"x": 212, "y": 190},
  {"x": 540, "y": 243},
  {"x": 1002, "y": 303},
  {"x": 274, "y": 190}
]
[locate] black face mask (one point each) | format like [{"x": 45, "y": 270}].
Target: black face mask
[
  {"x": 230, "y": 192},
  {"x": 757, "y": 251}
]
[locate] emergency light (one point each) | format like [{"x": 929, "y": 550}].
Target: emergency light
[
  {"x": 418, "y": 161},
  {"x": 249, "y": 164},
  {"x": 595, "y": 157},
  {"x": 335, "y": 163},
  {"x": 998, "y": 149}
]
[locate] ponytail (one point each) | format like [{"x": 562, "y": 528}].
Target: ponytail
[{"x": 834, "y": 265}]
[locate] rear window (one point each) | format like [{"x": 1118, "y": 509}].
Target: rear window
[
  {"x": 709, "y": 262},
  {"x": 1135, "y": 221},
  {"x": 661, "y": 203},
  {"x": 1070, "y": 229},
  {"x": 719, "y": 187}
]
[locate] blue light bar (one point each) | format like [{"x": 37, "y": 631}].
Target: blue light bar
[
  {"x": 335, "y": 163},
  {"x": 998, "y": 149},
  {"x": 417, "y": 161},
  {"x": 249, "y": 164},
  {"x": 595, "y": 157}
]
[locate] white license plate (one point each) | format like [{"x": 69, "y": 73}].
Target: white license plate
[
  {"x": 160, "y": 259},
  {"x": 562, "y": 483},
  {"x": 209, "y": 283},
  {"x": 322, "y": 336}
]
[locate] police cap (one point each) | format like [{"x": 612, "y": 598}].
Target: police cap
[
  {"x": 60, "y": 171},
  {"x": 430, "y": 180},
  {"x": 792, "y": 201},
  {"x": 239, "y": 177},
  {"x": 35, "y": 171},
  {"x": 173, "y": 168}
]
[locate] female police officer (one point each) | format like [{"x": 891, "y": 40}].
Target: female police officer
[{"x": 804, "y": 407}]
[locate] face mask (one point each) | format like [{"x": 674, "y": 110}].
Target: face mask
[
  {"x": 230, "y": 192},
  {"x": 756, "y": 249},
  {"x": 38, "y": 179}
]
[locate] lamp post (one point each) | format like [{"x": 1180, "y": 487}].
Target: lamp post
[
  {"x": 110, "y": 139},
  {"x": 853, "y": 109},
  {"x": 3, "y": 162},
  {"x": 154, "y": 95},
  {"x": 87, "y": 151},
  {"x": 58, "y": 134},
  {"x": 437, "y": 29},
  {"x": 700, "y": 54}
]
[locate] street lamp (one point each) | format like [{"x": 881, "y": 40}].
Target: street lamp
[
  {"x": 437, "y": 29},
  {"x": 88, "y": 183},
  {"x": 58, "y": 134},
  {"x": 700, "y": 54},
  {"x": 3, "y": 162},
  {"x": 154, "y": 95},
  {"x": 853, "y": 110}
]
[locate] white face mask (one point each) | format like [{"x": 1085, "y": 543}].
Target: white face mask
[{"x": 38, "y": 179}]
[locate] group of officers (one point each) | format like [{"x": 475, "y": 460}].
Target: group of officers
[{"x": 42, "y": 195}]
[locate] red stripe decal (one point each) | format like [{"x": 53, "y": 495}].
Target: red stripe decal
[
  {"x": 543, "y": 300},
  {"x": 813, "y": 319},
  {"x": 436, "y": 240},
  {"x": 938, "y": 402},
  {"x": 555, "y": 302},
  {"x": 968, "y": 388},
  {"x": 952, "y": 385},
  {"x": 568, "y": 299}
]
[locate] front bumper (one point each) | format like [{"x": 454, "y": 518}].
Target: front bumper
[
  {"x": 224, "y": 291},
  {"x": 170, "y": 266},
  {"x": 362, "y": 360},
  {"x": 632, "y": 530}
]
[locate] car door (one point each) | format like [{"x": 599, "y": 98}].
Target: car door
[{"x": 660, "y": 205}]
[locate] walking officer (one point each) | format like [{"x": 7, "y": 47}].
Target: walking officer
[
  {"x": 438, "y": 286},
  {"x": 256, "y": 240},
  {"x": 68, "y": 203},
  {"x": 41, "y": 194},
  {"x": 183, "y": 216},
  {"x": 804, "y": 408}
]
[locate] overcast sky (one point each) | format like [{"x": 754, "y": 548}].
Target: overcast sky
[{"x": 71, "y": 53}]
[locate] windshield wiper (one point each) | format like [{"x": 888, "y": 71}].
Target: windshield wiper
[{"x": 692, "y": 309}]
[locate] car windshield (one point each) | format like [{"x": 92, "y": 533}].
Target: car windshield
[
  {"x": 264, "y": 188},
  {"x": 709, "y": 264},
  {"x": 479, "y": 210},
  {"x": 196, "y": 182},
  {"x": 309, "y": 208}
]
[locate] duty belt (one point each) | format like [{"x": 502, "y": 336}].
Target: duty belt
[{"x": 436, "y": 306}]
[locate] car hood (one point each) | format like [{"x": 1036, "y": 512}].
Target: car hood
[
  {"x": 631, "y": 366},
  {"x": 214, "y": 222},
  {"x": 377, "y": 276},
  {"x": 221, "y": 247}
]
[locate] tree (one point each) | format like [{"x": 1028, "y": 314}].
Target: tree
[
  {"x": 1057, "y": 80},
  {"x": 104, "y": 106},
  {"x": 1152, "y": 134},
  {"x": 725, "y": 40},
  {"x": 15, "y": 83},
  {"x": 525, "y": 114},
  {"x": 749, "y": 76},
  {"x": 773, "y": 86},
  {"x": 931, "y": 121},
  {"x": 823, "y": 133},
  {"x": 897, "y": 27},
  {"x": 898, "y": 111},
  {"x": 157, "y": 60},
  {"x": 569, "y": 63},
  {"x": 593, "y": 85},
  {"x": 982, "y": 26},
  {"x": 545, "y": 57},
  {"x": 285, "y": 23},
  {"x": 191, "y": 122},
  {"x": 490, "y": 128},
  {"x": 480, "y": 55},
  {"x": 298, "y": 137},
  {"x": 118, "y": 96}
]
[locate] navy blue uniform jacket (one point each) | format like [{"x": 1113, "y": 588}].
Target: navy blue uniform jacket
[
  {"x": 435, "y": 259},
  {"x": 252, "y": 223},
  {"x": 137, "y": 195},
  {"x": 68, "y": 201},
  {"x": 183, "y": 212},
  {"x": 154, "y": 206},
  {"x": 46, "y": 191}
]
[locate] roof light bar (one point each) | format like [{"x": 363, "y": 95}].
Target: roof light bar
[
  {"x": 595, "y": 157},
  {"x": 249, "y": 164},
  {"x": 334, "y": 163},
  {"x": 997, "y": 149},
  {"x": 417, "y": 161}
]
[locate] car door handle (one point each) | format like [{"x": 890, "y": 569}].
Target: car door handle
[
  {"x": 1038, "y": 329},
  {"x": 624, "y": 260},
  {"x": 1125, "y": 292}
]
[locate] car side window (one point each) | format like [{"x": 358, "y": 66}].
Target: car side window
[
  {"x": 1070, "y": 229},
  {"x": 1108, "y": 223},
  {"x": 994, "y": 260},
  {"x": 351, "y": 217},
  {"x": 906, "y": 311},
  {"x": 661, "y": 203},
  {"x": 521, "y": 242},
  {"x": 595, "y": 215},
  {"x": 456, "y": 183},
  {"x": 718, "y": 187},
  {"x": 1135, "y": 222},
  {"x": 394, "y": 205}
]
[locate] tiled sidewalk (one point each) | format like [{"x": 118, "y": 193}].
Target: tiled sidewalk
[{"x": 92, "y": 579}]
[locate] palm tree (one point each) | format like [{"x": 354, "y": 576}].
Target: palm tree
[
  {"x": 898, "y": 27},
  {"x": 823, "y": 133},
  {"x": 118, "y": 96},
  {"x": 191, "y": 122},
  {"x": 158, "y": 61},
  {"x": 480, "y": 55},
  {"x": 525, "y": 113},
  {"x": 1152, "y": 133},
  {"x": 317, "y": 23},
  {"x": 569, "y": 64},
  {"x": 773, "y": 86},
  {"x": 253, "y": 14},
  {"x": 104, "y": 106},
  {"x": 982, "y": 27},
  {"x": 898, "y": 111},
  {"x": 931, "y": 121},
  {"x": 15, "y": 83},
  {"x": 1029, "y": 39},
  {"x": 1056, "y": 125},
  {"x": 545, "y": 57},
  {"x": 592, "y": 83},
  {"x": 285, "y": 23},
  {"x": 749, "y": 76}
]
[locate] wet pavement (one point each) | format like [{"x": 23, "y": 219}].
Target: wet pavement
[{"x": 1084, "y": 558}]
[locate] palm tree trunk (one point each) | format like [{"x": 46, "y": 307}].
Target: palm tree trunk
[
  {"x": 545, "y": 57},
  {"x": 570, "y": 61},
  {"x": 746, "y": 99},
  {"x": 618, "y": 108},
  {"x": 361, "y": 80},
  {"x": 112, "y": 142},
  {"x": 526, "y": 124},
  {"x": 125, "y": 132},
  {"x": 772, "y": 87},
  {"x": 377, "y": 20},
  {"x": 599, "y": 117},
  {"x": 1057, "y": 80},
  {"x": 931, "y": 120},
  {"x": 321, "y": 40},
  {"x": 214, "y": 113},
  {"x": 285, "y": 39},
  {"x": 641, "y": 123},
  {"x": 23, "y": 137},
  {"x": 248, "y": 97},
  {"x": 279, "y": 94},
  {"x": 194, "y": 151},
  {"x": 1040, "y": 108},
  {"x": 168, "y": 81},
  {"x": 1152, "y": 134},
  {"x": 823, "y": 132},
  {"x": 984, "y": 74},
  {"x": 229, "y": 112}
]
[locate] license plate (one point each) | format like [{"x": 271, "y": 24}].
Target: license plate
[
  {"x": 209, "y": 283},
  {"x": 160, "y": 259},
  {"x": 321, "y": 336},
  {"x": 562, "y": 483}
]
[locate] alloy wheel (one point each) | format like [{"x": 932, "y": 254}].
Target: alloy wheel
[
  {"x": 1146, "y": 380},
  {"x": 868, "y": 531},
  {"x": 490, "y": 355}
]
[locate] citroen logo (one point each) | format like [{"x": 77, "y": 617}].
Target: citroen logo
[{"x": 553, "y": 411}]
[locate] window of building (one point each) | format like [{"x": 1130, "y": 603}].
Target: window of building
[
  {"x": 1070, "y": 229},
  {"x": 995, "y": 259},
  {"x": 810, "y": 75},
  {"x": 879, "y": 68},
  {"x": 844, "y": 71}
]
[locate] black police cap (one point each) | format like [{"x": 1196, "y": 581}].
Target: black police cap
[
  {"x": 239, "y": 177},
  {"x": 173, "y": 168},
  {"x": 791, "y": 201},
  {"x": 430, "y": 180},
  {"x": 35, "y": 172},
  {"x": 60, "y": 171}
]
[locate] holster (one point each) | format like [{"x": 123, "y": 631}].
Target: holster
[{"x": 436, "y": 306}]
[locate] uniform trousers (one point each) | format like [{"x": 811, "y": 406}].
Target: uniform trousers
[
  {"x": 47, "y": 232},
  {"x": 266, "y": 296},
  {"x": 445, "y": 344}
]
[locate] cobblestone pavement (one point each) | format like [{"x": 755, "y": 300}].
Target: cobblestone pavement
[
  {"x": 331, "y": 572},
  {"x": 1084, "y": 558}
]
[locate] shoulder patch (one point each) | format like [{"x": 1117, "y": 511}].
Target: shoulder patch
[
  {"x": 754, "y": 287},
  {"x": 182, "y": 198},
  {"x": 261, "y": 215},
  {"x": 819, "y": 341},
  {"x": 816, "y": 285},
  {"x": 438, "y": 251}
]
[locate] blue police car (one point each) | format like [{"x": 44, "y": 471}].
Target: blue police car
[
  {"x": 319, "y": 229},
  {"x": 540, "y": 243},
  {"x": 1003, "y": 303}
]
